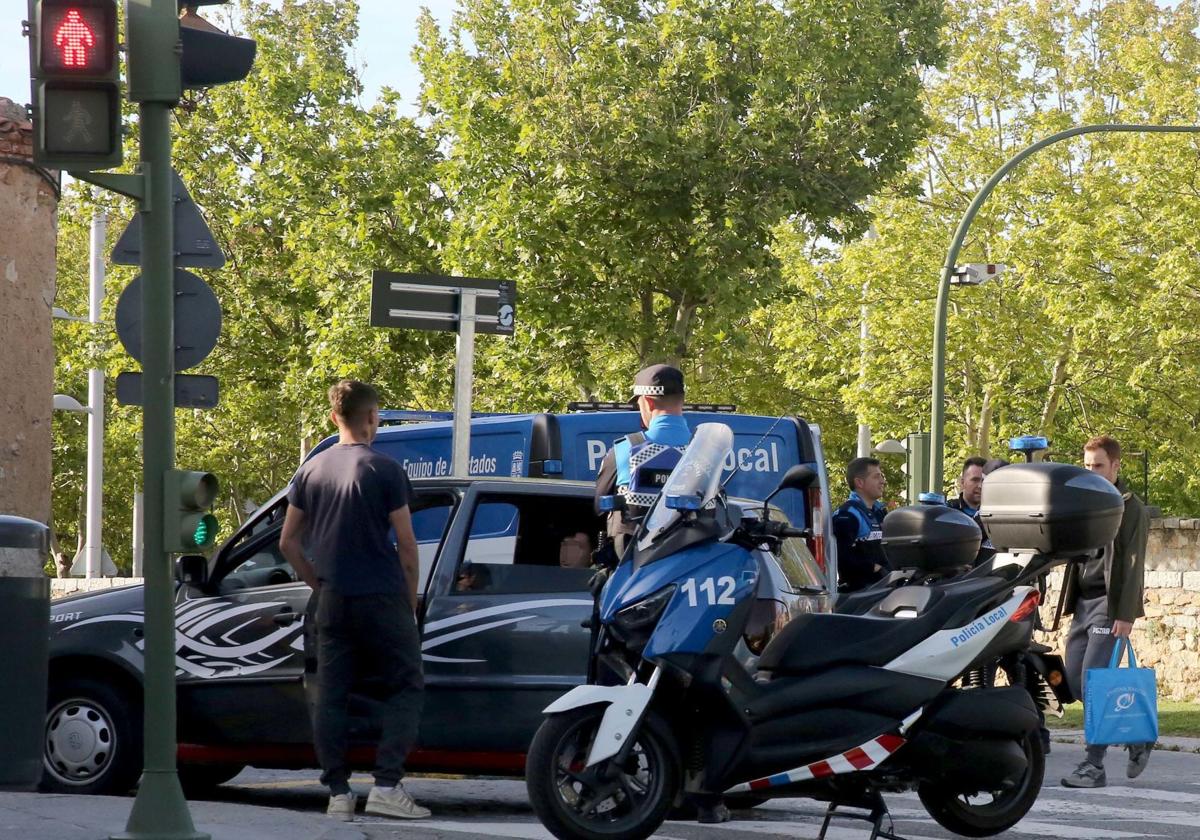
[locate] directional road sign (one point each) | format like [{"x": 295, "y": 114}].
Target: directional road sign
[
  {"x": 197, "y": 319},
  {"x": 195, "y": 246},
  {"x": 191, "y": 391},
  {"x": 432, "y": 302}
]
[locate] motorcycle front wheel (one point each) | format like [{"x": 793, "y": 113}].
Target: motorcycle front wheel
[
  {"x": 986, "y": 813},
  {"x": 605, "y": 801}
]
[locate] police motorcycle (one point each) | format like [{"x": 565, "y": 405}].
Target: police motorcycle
[
  {"x": 1014, "y": 652},
  {"x": 840, "y": 708}
]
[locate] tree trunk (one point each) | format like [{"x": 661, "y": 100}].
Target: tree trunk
[
  {"x": 646, "y": 346},
  {"x": 1057, "y": 380},
  {"x": 681, "y": 331},
  {"x": 984, "y": 440}
]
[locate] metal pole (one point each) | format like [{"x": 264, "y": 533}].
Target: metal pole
[
  {"x": 938, "y": 407},
  {"x": 864, "y": 335},
  {"x": 139, "y": 516},
  {"x": 92, "y": 546},
  {"x": 464, "y": 373},
  {"x": 160, "y": 811}
]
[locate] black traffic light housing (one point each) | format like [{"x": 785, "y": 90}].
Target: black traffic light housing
[
  {"x": 209, "y": 57},
  {"x": 76, "y": 83}
]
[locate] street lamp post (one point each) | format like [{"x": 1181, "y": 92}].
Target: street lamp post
[{"x": 938, "y": 407}]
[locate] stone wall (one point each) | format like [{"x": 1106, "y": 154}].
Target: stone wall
[
  {"x": 1168, "y": 638},
  {"x": 27, "y": 264},
  {"x": 62, "y": 587}
]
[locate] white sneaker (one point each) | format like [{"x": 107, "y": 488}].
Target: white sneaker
[
  {"x": 394, "y": 802},
  {"x": 342, "y": 805}
]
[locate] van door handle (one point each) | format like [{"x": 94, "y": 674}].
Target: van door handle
[{"x": 285, "y": 617}]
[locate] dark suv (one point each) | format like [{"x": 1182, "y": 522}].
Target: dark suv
[{"x": 502, "y": 636}]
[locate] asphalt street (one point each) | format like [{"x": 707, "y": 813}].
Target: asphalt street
[{"x": 1164, "y": 802}]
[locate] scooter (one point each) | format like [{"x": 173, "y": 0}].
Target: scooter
[{"x": 840, "y": 708}]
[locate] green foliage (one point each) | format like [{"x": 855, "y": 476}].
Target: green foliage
[
  {"x": 1091, "y": 329},
  {"x": 627, "y": 163}
]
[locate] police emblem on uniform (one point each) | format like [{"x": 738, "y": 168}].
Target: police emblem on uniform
[{"x": 719, "y": 625}]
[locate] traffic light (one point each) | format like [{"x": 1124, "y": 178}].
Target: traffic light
[
  {"x": 209, "y": 57},
  {"x": 188, "y": 497},
  {"x": 916, "y": 465},
  {"x": 76, "y": 84}
]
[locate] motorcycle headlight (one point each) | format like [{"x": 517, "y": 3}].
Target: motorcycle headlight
[{"x": 644, "y": 614}]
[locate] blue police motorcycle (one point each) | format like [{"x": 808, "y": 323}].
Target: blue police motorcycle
[{"x": 840, "y": 708}]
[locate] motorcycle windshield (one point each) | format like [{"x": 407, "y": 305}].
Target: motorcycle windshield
[{"x": 695, "y": 481}]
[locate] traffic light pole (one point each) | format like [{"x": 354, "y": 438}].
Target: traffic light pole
[{"x": 160, "y": 810}]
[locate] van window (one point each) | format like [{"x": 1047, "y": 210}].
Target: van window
[{"x": 528, "y": 544}]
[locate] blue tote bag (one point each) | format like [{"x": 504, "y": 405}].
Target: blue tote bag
[{"x": 1120, "y": 705}]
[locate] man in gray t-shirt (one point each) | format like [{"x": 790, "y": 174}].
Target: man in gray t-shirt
[{"x": 346, "y": 500}]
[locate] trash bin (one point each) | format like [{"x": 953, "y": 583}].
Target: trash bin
[{"x": 24, "y": 649}]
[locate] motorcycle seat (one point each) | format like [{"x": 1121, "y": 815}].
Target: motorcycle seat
[
  {"x": 906, "y": 602},
  {"x": 815, "y": 641}
]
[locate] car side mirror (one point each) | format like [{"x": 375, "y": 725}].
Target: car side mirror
[{"x": 192, "y": 569}]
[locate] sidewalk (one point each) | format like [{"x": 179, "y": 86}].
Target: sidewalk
[
  {"x": 41, "y": 816},
  {"x": 1075, "y": 736}
]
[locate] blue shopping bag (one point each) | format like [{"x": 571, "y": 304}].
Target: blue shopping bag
[{"x": 1120, "y": 705}]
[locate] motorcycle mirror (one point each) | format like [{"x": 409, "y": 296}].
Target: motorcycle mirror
[{"x": 799, "y": 477}]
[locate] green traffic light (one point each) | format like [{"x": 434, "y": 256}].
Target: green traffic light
[{"x": 200, "y": 537}]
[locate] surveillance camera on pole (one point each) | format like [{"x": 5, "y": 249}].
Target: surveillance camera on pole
[{"x": 975, "y": 274}]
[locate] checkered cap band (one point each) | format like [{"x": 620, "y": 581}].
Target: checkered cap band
[{"x": 649, "y": 390}]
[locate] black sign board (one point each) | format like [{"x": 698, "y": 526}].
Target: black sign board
[
  {"x": 191, "y": 391},
  {"x": 195, "y": 246},
  {"x": 431, "y": 302},
  {"x": 197, "y": 319}
]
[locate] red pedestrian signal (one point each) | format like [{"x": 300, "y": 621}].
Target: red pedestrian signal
[
  {"x": 72, "y": 39},
  {"x": 77, "y": 37},
  {"x": 76, "y": 84}
]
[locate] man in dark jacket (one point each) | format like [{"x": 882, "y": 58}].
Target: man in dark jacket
[
  {"x": 858, "y": 526},
  {"x": 970, "y": 496},
  {"x": 1105, "y": 597}
]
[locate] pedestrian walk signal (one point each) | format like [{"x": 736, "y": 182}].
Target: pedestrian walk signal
[{"x": 76, "y": 84}]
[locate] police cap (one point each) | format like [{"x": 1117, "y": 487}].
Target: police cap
[{"x": 657, "y": 381}]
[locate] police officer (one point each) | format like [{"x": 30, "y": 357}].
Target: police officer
[
  {"x": 970, "y": 496},
  {"x": 637, "y": 464},
  {"x": 858, "y": 526},
  {"x": 635, "y": 468}
]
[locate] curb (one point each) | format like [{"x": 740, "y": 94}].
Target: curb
[{"x": 1168, "y": 743}]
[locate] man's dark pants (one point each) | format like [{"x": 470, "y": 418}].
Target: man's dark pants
[
  {"x": 1090, "y": 644},
  {"x": 381, "y": 631}
]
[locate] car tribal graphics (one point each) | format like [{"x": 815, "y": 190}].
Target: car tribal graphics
[
  {"x": 863, "y": 757},
  {"x": 212, "y": 641},
  {"x": 432, "y": 639}
]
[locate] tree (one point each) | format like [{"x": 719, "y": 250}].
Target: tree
[
  {"x": 628, "y": 162},
  {"x": 1090, "y": 329}
]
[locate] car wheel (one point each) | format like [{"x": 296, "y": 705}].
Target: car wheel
[{"x": 93, "y": 738}]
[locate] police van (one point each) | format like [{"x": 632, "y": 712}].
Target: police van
[
  {"x": 502, "y": 611},
  {"x": 571, "y": 446}
]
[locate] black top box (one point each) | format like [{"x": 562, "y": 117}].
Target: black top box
[
  {"x": 933, "y": 538},
  {"x": 1050, "y": 509}
]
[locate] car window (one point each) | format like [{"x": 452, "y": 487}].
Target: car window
[
  {"x": 528, "y": 544},
  {"x": 259, "y": 563},
  {"x": 430, "y": 516}
]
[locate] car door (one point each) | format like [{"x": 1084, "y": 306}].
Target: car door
[
  {"x": 239, "y": 653},
  {"x": 502, "y": 633}
]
